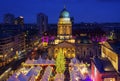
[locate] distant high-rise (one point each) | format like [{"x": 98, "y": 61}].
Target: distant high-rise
[
  {"x": 42, "y": 23},
  {"x": 19, "y": 20},
  {"x": 8, "y": 18}
]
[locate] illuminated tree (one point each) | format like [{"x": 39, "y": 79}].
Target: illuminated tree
[{"x": 60, "y": 62}]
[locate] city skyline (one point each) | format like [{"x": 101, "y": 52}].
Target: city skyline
[
  {"x": 87, "y": 49},
  {"x": 82, "y": 10}
]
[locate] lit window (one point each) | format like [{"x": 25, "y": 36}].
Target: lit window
[{"x": 109, "y": 79}]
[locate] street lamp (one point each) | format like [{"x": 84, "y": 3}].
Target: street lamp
[{"x": 77, "y": 78}]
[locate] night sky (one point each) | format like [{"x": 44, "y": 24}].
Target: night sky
[{"x": 82, "y": 10}]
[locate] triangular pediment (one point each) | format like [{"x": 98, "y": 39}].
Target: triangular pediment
[{"x": 65, "y": 44}]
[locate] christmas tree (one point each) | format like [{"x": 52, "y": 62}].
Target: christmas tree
[{"x": 60, "y": 62}]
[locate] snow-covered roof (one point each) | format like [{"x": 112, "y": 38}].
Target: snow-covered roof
[
  {"x": 40, "y": 61},
  {"x": 74, "y": 61},
  {"x": 13, "y": 78},
  {"x": 28, "y": 61},
  {"x": 32, "y": 78},
  {"x": 33, "y": 71},
  {"x": 38, "y": 68},
  {"x": 22, "y": 77}
]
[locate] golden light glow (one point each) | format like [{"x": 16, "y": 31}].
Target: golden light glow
[
  {"x": 73, "y": 55},
  {"x": 110, "y": 54},
  {"x": 11, "y": 49},
  {"x": 45, "y": 44},
  {"x": 68, "y": 52},
  {"x": 64, "y": 28},
  {"x": 109, "y": 79},
  {"x": 57, "y": 41},
  {"x": 1, "y": 56}
]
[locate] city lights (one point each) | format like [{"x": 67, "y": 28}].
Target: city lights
[{"x": 81, "y": 42}]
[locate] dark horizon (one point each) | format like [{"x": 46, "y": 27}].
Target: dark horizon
[{"x": 88, "y": 11}]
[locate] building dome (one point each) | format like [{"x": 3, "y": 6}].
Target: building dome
[{"x": 64, "y": 14}]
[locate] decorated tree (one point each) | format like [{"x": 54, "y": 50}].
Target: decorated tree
[{"x": 60, "y": 62}]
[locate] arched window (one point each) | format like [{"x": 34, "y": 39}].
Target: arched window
[
  {"x": 72, "y": 51},
  {"x": 56, "y": 51},
  {"x": 68, "y": 51}
]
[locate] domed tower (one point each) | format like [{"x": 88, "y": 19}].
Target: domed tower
[{"x": 64, "y": 31}]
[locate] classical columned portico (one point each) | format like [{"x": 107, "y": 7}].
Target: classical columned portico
[{"x": 67, "y": 49}]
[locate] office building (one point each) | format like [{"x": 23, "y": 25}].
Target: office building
[
  {"x": 19, "y": 21},
  {"x": 42, "y": 23},
  {"x": 9, "y": 18}
]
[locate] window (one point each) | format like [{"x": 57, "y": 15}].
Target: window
[{"x": 109, "y": 79}]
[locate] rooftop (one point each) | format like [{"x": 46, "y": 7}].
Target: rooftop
[
  {"x": 103, "y": 64},
  {"x": 4, "y": 35},
  {"x": 83, "y": 39},
  {"x": 113, "y": 45}
]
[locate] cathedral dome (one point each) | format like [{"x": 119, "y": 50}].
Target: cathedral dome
[{"x": 64, "y": 14}]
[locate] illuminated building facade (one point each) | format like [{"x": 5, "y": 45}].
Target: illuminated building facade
[
  {"x": 19, "y": 43},
  {"x": 111, "y": 51},
  {"x": 45, "y": 39},
  {"x": 85, "y": 48},
  {"x": 103, "y": 70},
  {"x": 67, "y": 48},
  {"x": 11, "y": 46},
  {"x": 64, "y": 30},
  {"x": 107, "y": 67},
  {"x": 64, "y": 25},
  {"x": 81, "y": 47},
  {"x": 64, "y": 38},
  {"x": 6, "y": 49}
]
